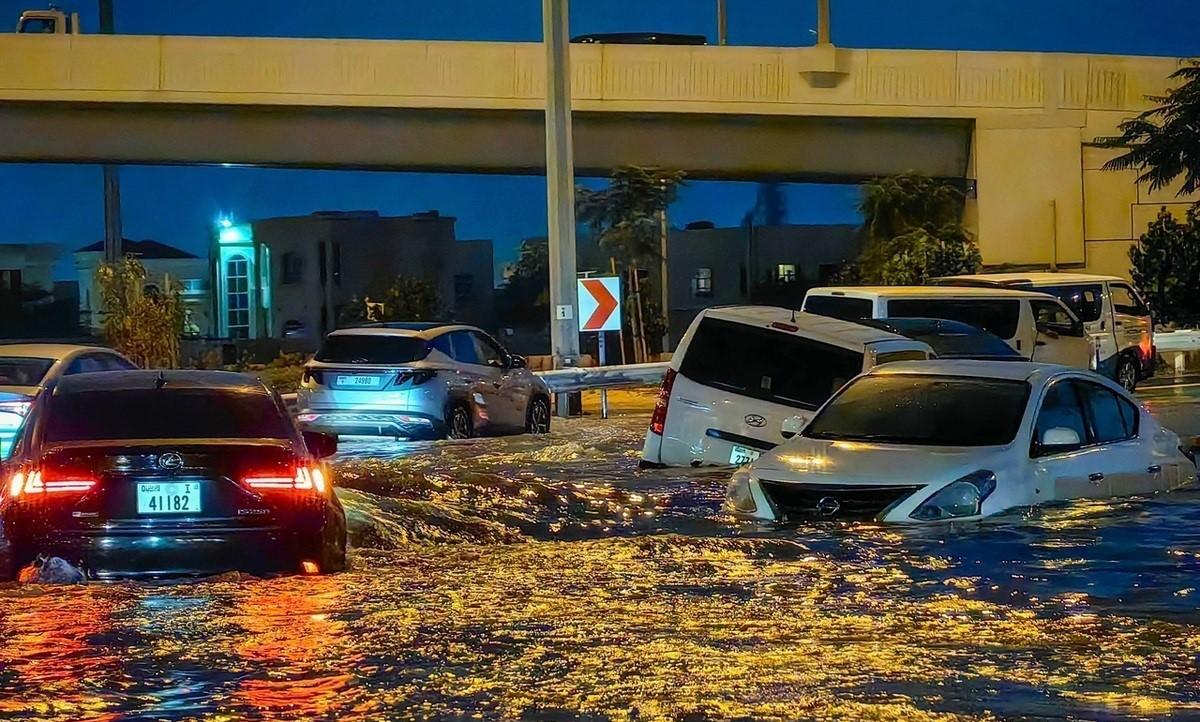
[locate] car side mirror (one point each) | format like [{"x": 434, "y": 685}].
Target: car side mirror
[
  {"x": 1060, "y": 438},
  {"x": 792, "y": 426},
  {"x": 516, "y": 361},
  {"x": 320, "y": 444}
]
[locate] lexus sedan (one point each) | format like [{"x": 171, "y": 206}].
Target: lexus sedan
[
  {"x": 420, "y": 381},
  {"x": 938, "y": 440},
  {"x": 152, "y": 474}
]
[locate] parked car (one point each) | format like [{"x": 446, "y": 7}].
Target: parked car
[
  {"x": 641, "y": 39},
  {"x": 420, "y": 381},
  {"x": 949, "y": 339},
  {"x": 1113, "y": 314},
  {"x": 164, "y": 473},
  {"x": 961, "y": 440},
  {"x": 745, "y": 377},
  {"x": 1037, "y": 326},
  {"x": 27, "y": 369}
]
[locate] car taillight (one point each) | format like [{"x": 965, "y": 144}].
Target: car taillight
[
  {"x": 30, "y": 483},
  {"x": 658, "y": 420},
  {"x": 305, "y": 478}
]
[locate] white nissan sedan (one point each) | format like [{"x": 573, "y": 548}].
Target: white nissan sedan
[{"x": 934, "y": 441}]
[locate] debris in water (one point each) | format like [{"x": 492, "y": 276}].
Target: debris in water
[{"x": 51, "y": 570}]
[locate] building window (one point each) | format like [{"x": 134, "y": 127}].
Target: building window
[
  {"x": 293, "y": 268},
  {"x": 785, "y": 272},
  {"x": 193, "y": 286},
  {"x": 702, "y": 282},
  {"x": 237, "y": 296},
  {"x": 464, "y": 285}
]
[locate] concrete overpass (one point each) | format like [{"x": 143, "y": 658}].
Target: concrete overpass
[{"x": 1020, "y": 124}]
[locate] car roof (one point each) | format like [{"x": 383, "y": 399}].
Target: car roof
[
  {"x": 47, "y": 350},
  {"x": 410, "y": 330},
  {"x": 829, "y": 330},
  {"x": 148, "y": 379},
  {"x": 923, "y": 292},
  {"x": 1009, "y": 370},
  {"x": 1040, "y": 278}
]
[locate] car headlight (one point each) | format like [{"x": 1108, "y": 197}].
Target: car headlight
[
  {"x": 960, "y": 498},
  {"x": 738, "y": 494}
]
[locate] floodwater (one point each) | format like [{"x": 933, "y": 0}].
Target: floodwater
[{"x": 549, "y": 579}]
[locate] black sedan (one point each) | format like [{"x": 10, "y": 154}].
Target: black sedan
[{"x": 154, "y": 474}]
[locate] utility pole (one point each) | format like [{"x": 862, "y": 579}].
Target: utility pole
[
  {"x": 112, "y": 177},
  {"x": 663, "y": 231},
  {"x": 722, "y": 24},
  {"x": 823, "y": 22},
  {"x": 560, "y": 192}
]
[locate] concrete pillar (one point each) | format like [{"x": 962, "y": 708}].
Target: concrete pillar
[
  {"x": 112, "y": 176},
  {"x": 722, "y": 24},
  {"x": 560, "y": 191},
  {"x": 823, "y": 22}
]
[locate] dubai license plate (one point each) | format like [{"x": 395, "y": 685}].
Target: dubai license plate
[
  {"x": 173, "y": 497},
  {"x": 741, "y": 455},
  {"x": 358, "y": 382}
]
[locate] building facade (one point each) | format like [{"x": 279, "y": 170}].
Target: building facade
[{"x": 293, "y": 277}]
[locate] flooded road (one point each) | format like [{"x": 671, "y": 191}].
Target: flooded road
[{"x": 549, "y": 579}]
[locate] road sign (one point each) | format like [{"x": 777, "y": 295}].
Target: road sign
[{"x": 600, "y": 304}]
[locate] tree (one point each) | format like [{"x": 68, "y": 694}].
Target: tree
[
  {"x": 912, "y": 232},
  {"x": 1166, "y": 267},
  {"x": 525, "y": 296},
  {"x": 1163, "y": 143},
  {"x": 144, "y": 324},
  {"x": 625, "y": 217},
  {"x": 403, "y": 299}
]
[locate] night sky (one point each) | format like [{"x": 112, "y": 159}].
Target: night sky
[{"x": 63, "y": 204}]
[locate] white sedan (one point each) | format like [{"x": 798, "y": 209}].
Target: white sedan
[{"x": 958, "y": 440}]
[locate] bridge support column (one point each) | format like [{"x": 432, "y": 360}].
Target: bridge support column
[{"x": 560, "y": 192}]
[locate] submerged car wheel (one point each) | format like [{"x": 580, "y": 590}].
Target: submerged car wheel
[
  {"x": 459, "y": 425},
  {"x": 1127, "y": 373},
  {"x": 537, "y": 420}
]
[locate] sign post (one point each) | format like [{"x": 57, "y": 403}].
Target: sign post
[{"x": 600, "y": 312}]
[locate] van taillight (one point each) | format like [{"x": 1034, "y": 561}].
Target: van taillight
[{"x": 658, "y": 421}]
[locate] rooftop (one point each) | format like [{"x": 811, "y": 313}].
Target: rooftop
[
  {"x": 821, "y": 328},
  {"x": 141, "y": 249}
]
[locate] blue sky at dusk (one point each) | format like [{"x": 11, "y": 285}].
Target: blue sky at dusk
[{"x": 63, "y": 204}]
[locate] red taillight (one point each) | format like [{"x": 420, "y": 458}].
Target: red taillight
[
  {"x": 658, "y": 420},
  {"x": 304, "y": 479},
  {"x": 33, "y": 482}
]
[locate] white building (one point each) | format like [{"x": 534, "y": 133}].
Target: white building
[{"x": 162, "y": 262}]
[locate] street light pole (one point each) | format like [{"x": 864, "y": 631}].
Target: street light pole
[
  {"x": 112, "y": 177},
  {"x": 560, "y": 191}
]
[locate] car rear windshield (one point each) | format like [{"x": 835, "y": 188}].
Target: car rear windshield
[
  {"x": 372, "y": 349},
  {"x": 925, "y": 410},
  {"x": 20, "y": 371},
  {"x": 774, "y": 366},
  {"x": 164, "y": 414},
  {"x": 999, "y": 316},
  {"x": 843, "y": 307},
  {"x": 960, "y": 345}
]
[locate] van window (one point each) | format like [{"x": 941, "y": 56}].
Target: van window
[
  {"x": 774, "y": 366},
  {"x": 1086, "y": 302},
  {"x": 999, "y": 316},
  {"x": 1125, "y": 301},
  {"x": 843, "y": 307},
  {"x": 1052, "y": 316}
]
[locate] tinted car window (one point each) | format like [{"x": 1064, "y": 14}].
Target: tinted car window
[
  {"x": 1113, "y": 418},
  {"x": 442, "y": 344},
  {"x": 489, "y": 354},
  {"x": 17, "y": 371},
  {"x": 464, "y": 347},
  {"x": 894, "y": 356},
  {"x": 1060, "y": 409},
  {"x": 998, "y": 316},
  {"x": 1086, "y": 302},
  {"x": 86, "y": 364},
  {"x": 115, "y": 363},
  {"x": 770, "y": 365},
  {"x": 1125, "y": 301},
  {"x": 163, "y": 414},
  {"x": 927, "y": 410},
  {"x": 843, "y": 307},
  {"x": 372, "y": 349}
]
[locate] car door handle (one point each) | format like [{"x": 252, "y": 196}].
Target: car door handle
[
  {"x": 1154, "y": 469},
  {"x": 1096, "y": 478}
]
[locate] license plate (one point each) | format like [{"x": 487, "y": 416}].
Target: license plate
[
  {"x": 174, "y": 497},
  {"x": 741, "y": 455},
  {"x": 358, "y": 382}
]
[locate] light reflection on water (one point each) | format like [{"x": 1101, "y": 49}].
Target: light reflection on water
[{"x": 564, "y": 584}]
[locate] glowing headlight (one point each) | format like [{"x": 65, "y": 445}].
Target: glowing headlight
[
  {"x": 961, "y": 498},
  {"x": 738, "y": 494}
]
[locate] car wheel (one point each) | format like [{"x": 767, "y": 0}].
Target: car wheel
[
  {"x": 537, "y": 419},
  {"x": 459, "y": 424},
  {"x": 1127, "y": 373}
]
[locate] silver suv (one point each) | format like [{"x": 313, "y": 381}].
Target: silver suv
[{"x": 420, "y": 381}]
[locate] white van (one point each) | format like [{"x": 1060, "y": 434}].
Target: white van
[
  {"x": 1114, "y": 315},
  {"x": 1037, "y": 325},
  {"x": 746, "y": 378}
]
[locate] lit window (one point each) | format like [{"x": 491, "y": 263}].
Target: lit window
[
  {"x": 237, "y": 296},
  {"x": 785, "y": 272},
  {"x": 702, "y": 282}
]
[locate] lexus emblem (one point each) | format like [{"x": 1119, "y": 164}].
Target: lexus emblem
[
  {"x": 828, "y": 506},
  {"x": 170, "y": 461},
  {"x": 755, "y": 420}
]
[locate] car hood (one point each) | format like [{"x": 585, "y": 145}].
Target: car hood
[{"x": 817, "y": 461}]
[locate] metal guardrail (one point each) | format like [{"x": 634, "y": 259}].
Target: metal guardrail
[{"x": 604, "y": 377}]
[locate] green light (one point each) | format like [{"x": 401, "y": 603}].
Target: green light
[{"x": 236, "y": 234}]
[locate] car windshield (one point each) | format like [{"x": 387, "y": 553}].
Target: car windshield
[
  {"x": 372, "y": 349},
  {"x": 925, "y": 410},
  {"x": 20, "y": 371},
  {"x": 164, "y": 414}
]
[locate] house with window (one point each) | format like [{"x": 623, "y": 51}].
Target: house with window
[
  {"x": 165, "y": 265},
  {"x": 293, "y": 277}
]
